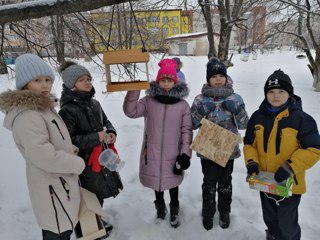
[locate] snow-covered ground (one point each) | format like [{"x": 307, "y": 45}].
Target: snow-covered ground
[{"x": 132, "y": 213}]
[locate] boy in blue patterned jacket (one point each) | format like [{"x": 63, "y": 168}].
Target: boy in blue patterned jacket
[{"x": 219, "y": 104}]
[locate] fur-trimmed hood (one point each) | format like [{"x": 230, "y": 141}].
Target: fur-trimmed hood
[
  {"x": 179, "y": 90},
  {"x": 14, "y": 102}
]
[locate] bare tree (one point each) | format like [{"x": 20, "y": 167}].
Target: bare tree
[
  {"x": 18, "y": 16},
  {"x": 230, "y": 13},
  {"x": 34, "y": 9},
  {"x": 206, "y": 11},
  {"x": 306, "y": 15}
]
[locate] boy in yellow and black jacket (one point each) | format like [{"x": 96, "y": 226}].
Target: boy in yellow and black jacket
[{"x": 282, "y": 139}]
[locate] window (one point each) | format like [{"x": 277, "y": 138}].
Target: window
[
  {"x": 175, "y": 30},
  {"x": 175, "y": 19},
  {"x": 165, "y": 19},
  {"x": 165, "y": 31},
  {"x": 154, "y": 19},
  {"x": 154, "y": 30}
]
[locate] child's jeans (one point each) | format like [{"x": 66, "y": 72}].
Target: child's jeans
[
  {"x": 282, "y": 219},
  {"x": 48, "y": 235}
]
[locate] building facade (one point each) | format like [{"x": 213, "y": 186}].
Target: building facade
[{"x": 154, "y": 26}]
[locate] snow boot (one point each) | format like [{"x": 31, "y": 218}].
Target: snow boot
[
  {"x": 174, "y": 216},
  {"x": 207, "y": 223},
  {"x": 208, "y": 205},
  {"x": 161, "y": 210},
  {"x": 107, "y": 226},
  {"x": 224, "y": 220}
]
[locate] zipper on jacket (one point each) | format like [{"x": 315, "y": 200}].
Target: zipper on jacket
[
  {"x": 55, "y": 123},
  {"x": 54, "y": 207},
  {"x": 295, "y": 179},
  {"x": 65, "y": 187},
  {"x": 145, "y": 156},
  {"x": 53, "y": 193},
  {"x": 162, "y": 136}
]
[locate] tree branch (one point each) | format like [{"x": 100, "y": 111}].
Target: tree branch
[{"x": 38, "y": 9}]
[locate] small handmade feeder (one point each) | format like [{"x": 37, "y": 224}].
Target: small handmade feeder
[
  {"x": 126, "y": 57},
  {"x": 265, "y": 182},
  {"x": 215, "y": 143},
  {"x": 90, "y": 226}
]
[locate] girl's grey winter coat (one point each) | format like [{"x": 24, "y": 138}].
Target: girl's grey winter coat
[
  {"x": 52, "y": 166},
  {"x": 167, "y": 134}
]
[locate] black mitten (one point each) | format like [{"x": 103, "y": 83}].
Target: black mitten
[
  {"x": 283, "y": 173},
  {"x": 252, "y": 167},
  {"x": 182, "y": 163},
  {"x": 177, "y": 168}
]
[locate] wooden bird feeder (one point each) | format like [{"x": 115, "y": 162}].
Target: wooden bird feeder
[
  {"x": 214, "y": 142},
  {"x": 90, "y": 226},
  {"x": 126, "y": 57}
]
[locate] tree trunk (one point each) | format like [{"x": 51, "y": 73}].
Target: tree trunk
[
  {"x": 316, "y": 71},
  {"x": 205, "y": 9},
  {"x": 57, "y": 28},
  {"x": 3, "y": 64}
]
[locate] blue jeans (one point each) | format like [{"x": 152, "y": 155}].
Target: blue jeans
[
  {"x": 282, "y": 219},
  {"x": 48, "y": 235}
]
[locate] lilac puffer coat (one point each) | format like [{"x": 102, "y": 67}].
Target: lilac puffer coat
[{"x": 168, "y": 133}]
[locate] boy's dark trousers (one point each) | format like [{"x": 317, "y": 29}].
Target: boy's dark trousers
[
  {"x": 216, "y": 178},
  {"x": 48, "y": 235},
  {"x": 282, "y": 220}
]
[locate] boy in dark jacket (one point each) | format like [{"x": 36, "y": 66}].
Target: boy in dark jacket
[
  {"x": 284, "y": 140},
  {"x": 219, "y": 104}
]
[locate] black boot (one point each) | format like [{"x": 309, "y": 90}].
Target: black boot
[
  {"x": 107, "y": 226},
  {"x": 224, "y": 220},
  {"x": 207, "y": 223},
  {"x": 174, "y": 216},
  {"x": 161, "y": 210},
  {"x": 208, "y": 205}
]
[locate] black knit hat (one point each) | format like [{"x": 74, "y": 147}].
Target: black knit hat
[
  {"x": 278, "y": 79},
  {"x": 215, "y": 66}
]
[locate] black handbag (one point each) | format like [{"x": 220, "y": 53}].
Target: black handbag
[{"x": 104, "y": 184}]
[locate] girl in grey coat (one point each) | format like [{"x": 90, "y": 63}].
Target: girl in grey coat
[
  {"x": 52, "y": 166},
  {"x": 167, "y": 137}
]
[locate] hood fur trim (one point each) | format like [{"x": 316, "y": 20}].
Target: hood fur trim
[
  {"x": 180, "y": 90},
  {"x": 25, "y": 100}
]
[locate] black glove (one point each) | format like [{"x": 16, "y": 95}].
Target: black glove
[
  {"x": 182, "y": 163},
  {"x": 232, "y": 106},
  {"x": 283, "y": 173},
  {"x": 252, "y": 167},
  {"x": 206, "y": 108}
]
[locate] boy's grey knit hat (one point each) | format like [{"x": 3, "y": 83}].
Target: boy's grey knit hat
[
  {"x": 30, "y": 66},
  {"x": 71, "y": 74}
]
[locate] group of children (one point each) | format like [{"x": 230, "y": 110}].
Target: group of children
[{"x": 280, "y": 138}]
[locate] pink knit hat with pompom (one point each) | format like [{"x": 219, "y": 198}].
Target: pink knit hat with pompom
[{"x": 167, "y": 70}]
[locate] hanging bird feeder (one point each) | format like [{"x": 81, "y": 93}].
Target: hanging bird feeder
[
  {"x": 128, "y": 59},
  {"x": 132, "y": 56}
]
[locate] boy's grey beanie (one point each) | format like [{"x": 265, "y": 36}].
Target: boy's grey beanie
[
  {"x": 72, "y": 73},
  {"x": 29, "y": 66}
]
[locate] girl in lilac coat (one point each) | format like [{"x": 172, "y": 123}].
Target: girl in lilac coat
[{"x": 168, "y": 134}]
